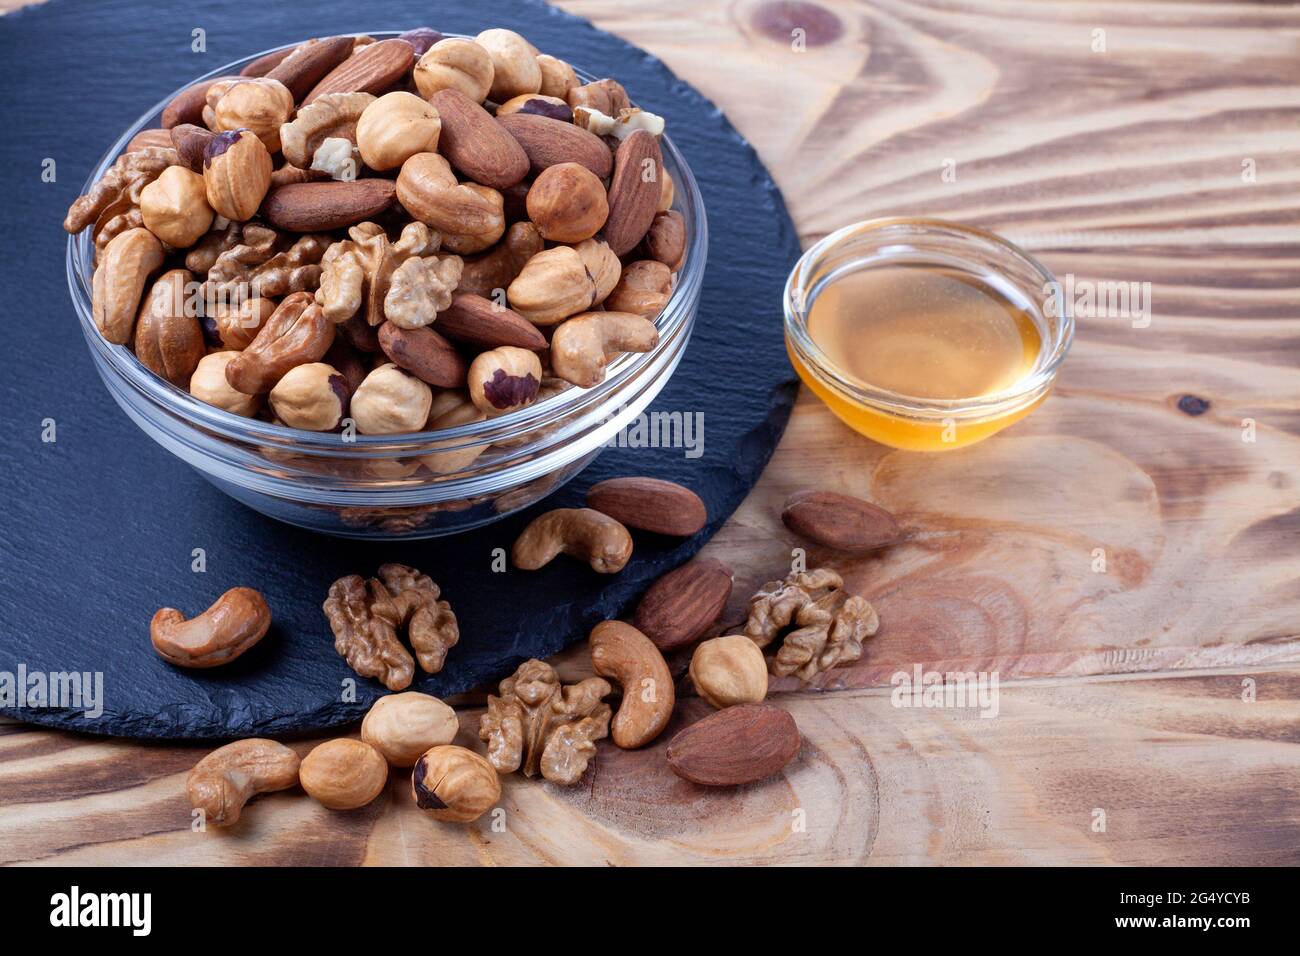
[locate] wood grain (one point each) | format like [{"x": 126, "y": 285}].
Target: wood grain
[
  {"x": 1122, "y": 688},
  {"x": 1185, "y": 771}
]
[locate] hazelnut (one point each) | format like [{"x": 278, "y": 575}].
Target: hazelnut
[
  {"x": 175, "y": 208},
  {"x": 343, "y": 774},
  {"x": 514, "y": 64},
  {"x": 255, "y": 103},
  {"x": 236, "y": 174},
  {"x": 552, "y": 107},
  {"x": 312, "y": 396},
  {"x": 557, "y": 76},
  {"x": 729, "y": 670},
  {"x": 403, "y": 726},
  {"x": 454, "y": 785},
  {"x": 553, "y": 285},
  {"x": 602, "y": 265},
  {"x": 644, "y": 289},
  {"x": 667, "y": 191},
  {"x": 390, "y": 401},
  {"x": 504, "y": 379},
  {"x": 208, "y": 384},
  {"x": 567, "y": 203},
  {"x": 394, "y": 128},
  {"x": 455, "y": 63}
]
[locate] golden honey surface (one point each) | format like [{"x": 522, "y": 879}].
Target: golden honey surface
[{"x": 924, "y": 332}]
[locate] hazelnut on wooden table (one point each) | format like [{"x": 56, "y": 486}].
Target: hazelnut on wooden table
[{"x": 454, "y": 785}]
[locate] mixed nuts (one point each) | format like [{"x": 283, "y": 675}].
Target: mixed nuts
[{"x": 358, "y": 228}]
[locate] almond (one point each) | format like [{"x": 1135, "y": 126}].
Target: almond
[
  {"x": 680, "y": 607},
  {"x": 484, "y": 324},
  {"x": 650, "y": 504},
  {"x": 425, "y": 354},
  {"x": 265, "y": 64},
  {"x": 633, "y": 191},
  {"x": 549, "y": 142},
  {"x": 840, "y": 521},
  {"x": 477, "y": 145},
  {"x": 375, "y": 68},
  {"x": 309, "y": 63},
  {"x": 738, "y": 745},
  {"x": 323, "y": 206},
  {"x": 187, "y": 106}
]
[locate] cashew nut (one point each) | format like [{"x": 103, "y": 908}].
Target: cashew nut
[
  {"x": 578, "y": 532},
  {"x": 584, "y": 344},
  {"x": 223, "y": 781},
  {"x": 232, "y": 625},
  {"x": 626, "y": 656}
]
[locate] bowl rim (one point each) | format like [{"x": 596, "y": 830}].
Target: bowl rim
[
  {"x": 514, "y": 425},
  {"x": 800, "y": 341}
]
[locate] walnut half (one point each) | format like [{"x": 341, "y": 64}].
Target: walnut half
[
  {"x": 829, "y": 625},
  {"x": 540, "y": 724},
  {"x": 365, "y": 616}
]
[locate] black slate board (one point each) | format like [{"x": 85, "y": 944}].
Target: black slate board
[{"x": 99, "y": 526}]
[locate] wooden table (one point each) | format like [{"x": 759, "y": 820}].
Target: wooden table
[{"x": 1127, "y": 559}]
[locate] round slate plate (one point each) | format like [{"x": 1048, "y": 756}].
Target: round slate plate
[{"x": 102, "y": 527}]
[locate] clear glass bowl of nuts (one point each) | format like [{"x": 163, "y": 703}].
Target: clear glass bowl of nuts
[{"x": 389, "y": 286}]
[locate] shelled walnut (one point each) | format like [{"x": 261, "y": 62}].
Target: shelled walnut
[
  {"x": 538, "y": 724},
  {"x": 829, "y": 625},
  {"x": 365, "y": 616}
]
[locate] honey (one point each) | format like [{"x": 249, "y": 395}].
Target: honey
[
  {"x": 921, "y": 334},
  {"x": 924, "y": 332}
]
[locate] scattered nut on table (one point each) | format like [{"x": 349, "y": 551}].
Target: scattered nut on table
[
  {"x": 223, "y": 781},
  {"x": 234, "y": 623},
  {"x": 541, "y": 726},
  {"x": 626, "y": 656},
  {"x": 403, "y": 726},
  {"x": 365, "y": 616},
  {"x": 344, "y": 773},
  {"x": 580, "y": 533},
  {"x": 454, "y": 785},
  {"x": 828, "y": 624},
  {"x": 729, "y": 670}
]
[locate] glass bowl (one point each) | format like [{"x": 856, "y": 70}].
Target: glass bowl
[
  {"x": 418, "y": 485},
  {"x": 905, "y": 421}
]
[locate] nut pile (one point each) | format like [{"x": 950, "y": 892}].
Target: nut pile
[{"x": 408, "y": 234}]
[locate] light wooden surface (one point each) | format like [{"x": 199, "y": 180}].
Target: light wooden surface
[{"x": 1161, "y": 695}]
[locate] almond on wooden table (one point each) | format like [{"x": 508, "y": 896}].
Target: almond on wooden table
[
  {"x": 650, "y": 504},
  {"x": 738, "y": 745},
  {"x": 840, "y": 521},
  {"x": 680, "y": 607}
]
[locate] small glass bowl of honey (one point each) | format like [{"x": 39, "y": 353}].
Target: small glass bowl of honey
[{"x": 924, "y": 334}]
